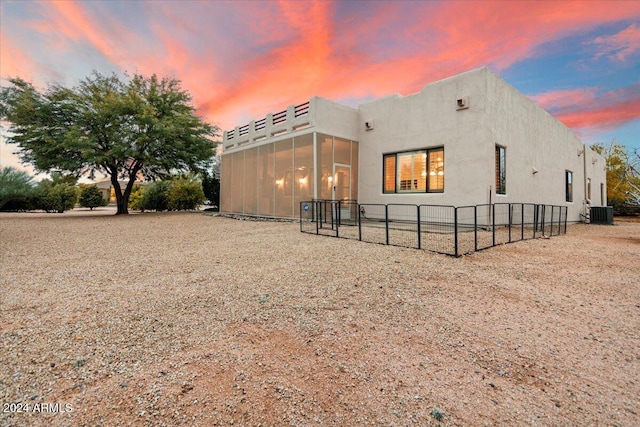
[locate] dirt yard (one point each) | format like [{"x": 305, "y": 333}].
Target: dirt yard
[{"x": 188, "y": 319}]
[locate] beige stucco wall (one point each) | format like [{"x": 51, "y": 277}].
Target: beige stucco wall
[
  {"x": 497, "y": 114},
  {"x": 430, "y": 119},
  {"x": 536, "y": 140}
]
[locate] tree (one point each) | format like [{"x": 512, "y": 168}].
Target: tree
[
  {"x": 144, "y": 127},
  {"x": 17, "y": 190},
  {"x": 91, "y": 197},
  {"x": 185, "y": 194},
  {"x": 623, "y": 176}
]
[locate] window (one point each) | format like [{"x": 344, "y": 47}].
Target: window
[
  {"x": 589, "y": 189},
  {"x": 568, "y": 175},
  {"x": 419, "y": 171},
  {"x": 501, "y": 170},
  {"x": 602, "y": 195}
]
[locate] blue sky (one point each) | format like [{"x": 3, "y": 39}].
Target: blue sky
[{"x": 580, "y": 60}]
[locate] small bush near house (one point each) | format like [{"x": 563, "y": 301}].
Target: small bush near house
[
  {"x": 185, "y": 194},
  {"x": 155, "y": 196},
  {"x": 57, "y": 197},
  {"x": 91, "y": 197},
  {"x": 136, "y": 199}
]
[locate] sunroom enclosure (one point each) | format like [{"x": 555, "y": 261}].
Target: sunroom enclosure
[{"x": 273, "y": 178}]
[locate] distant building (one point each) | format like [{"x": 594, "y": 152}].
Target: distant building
[{"x": 466, "y": 140}]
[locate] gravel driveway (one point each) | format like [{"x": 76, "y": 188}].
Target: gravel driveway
[{"x": 189, "y": 319}]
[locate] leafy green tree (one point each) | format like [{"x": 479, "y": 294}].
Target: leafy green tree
[
  {"x": 144, "y": 127},
  {"x": 91, "y": 197},
  {"x": 185, "y": 194},
  {"x": 57, "y": 197},
  {"x": 623, "y": 176},
  {"x": 155, "y": 196},
  {"x": 17, "y": 190}
]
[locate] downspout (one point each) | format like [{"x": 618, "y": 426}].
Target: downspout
[{"x": 586, "y": 202}]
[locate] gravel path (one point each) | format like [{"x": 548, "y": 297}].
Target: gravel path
[{"x": 189, "y": 319}]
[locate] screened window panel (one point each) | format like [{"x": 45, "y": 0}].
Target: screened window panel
[
  {"x": 284, "y": 178},
  {"x": 325, "y": 162},
  {"x": 341, "y": 151},
  {"x": 266, "y": 178},
  {"x": 250, "y": 204},
  {"x": 354, "y": 170},
  {"x": 237, "y": 182},
  {"x": 226, "y": 166},
  {"x": 304, "y": 173}
]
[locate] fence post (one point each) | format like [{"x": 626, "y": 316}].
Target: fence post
[
  {"x": 566, "y": 210},
  {"x": 455, "y": 230},
  {"x": 475, "y": 228},
  {"x": 419, "y": 233},
  {"x": 493, "y": 225},
  {"x": 510, "y": 220},
  {"x": 338, "y": 215},
  {"x": 551, "y": 231},
  {"x": 522, "y": 222},
  {"x": 386, "y": 222},
  {"x": 317, "y": 215},
  {"x": 359, "y": 222}
]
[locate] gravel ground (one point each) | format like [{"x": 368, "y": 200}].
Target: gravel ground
[{"x": 195, "y": 320}]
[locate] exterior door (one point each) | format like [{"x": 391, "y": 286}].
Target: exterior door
[{"x": 341, "y": 182}]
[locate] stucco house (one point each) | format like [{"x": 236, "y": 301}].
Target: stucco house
[{"x": 469, "y": 139}]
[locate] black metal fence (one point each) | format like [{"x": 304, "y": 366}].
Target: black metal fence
[{"x": 444, "y": 229}]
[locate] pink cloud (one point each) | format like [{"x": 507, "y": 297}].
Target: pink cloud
[
  {"x": 619, "y": 46},
  {"x": 586, "y": 108},
  {"x": 562, "y": 99}
]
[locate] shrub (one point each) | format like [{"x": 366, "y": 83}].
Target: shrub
[
  {"x": 185, "y": 194},
  {"x": 136, "y": 199},
  {"x": 57, "y": 197},
  {"x": 155, "y": 196},
  {"x": 17, "y": 190},
  {"x": 91, "y": 197}
]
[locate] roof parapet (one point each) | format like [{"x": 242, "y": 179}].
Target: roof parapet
[{"x": 293, "y": 118}]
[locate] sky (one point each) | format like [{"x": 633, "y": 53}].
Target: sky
[{"x": 580, "y": 60}]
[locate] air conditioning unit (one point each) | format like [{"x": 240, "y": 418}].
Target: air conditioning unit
[
  {"x": 462, "y": 103},
  {"x": 368, "y": 125}
]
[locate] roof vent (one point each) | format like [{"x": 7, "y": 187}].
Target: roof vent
[{"x": 463, "y": 103}]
